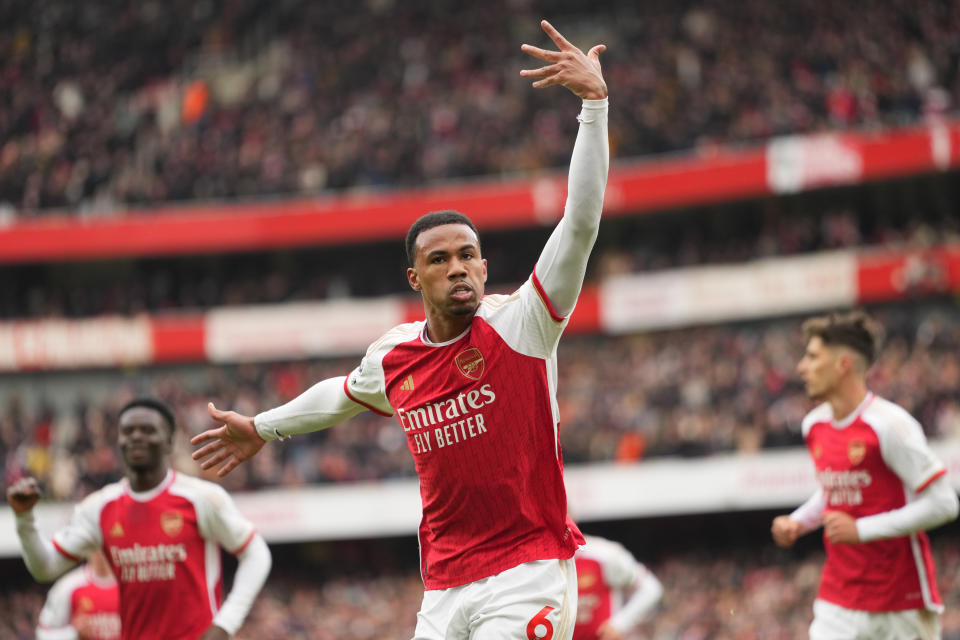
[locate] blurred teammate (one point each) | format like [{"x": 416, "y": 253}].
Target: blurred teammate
[
  {"x": 82, "y": 605},
  {"x": 881, "y": 488},
  {"x": 615, "y": 591},
  {"x": 473, "y": 388},
  {"x": 161, "y": 532}
]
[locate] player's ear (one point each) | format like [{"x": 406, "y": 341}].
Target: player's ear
[
  {"x": 413, "y": 278},
  {"x": 484, "y": 270}
]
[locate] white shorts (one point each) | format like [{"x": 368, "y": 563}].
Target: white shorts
[
  {"x": 532, "y": 601},
  {"x": 833, "y": 622}
]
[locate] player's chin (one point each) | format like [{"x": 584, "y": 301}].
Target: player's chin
[{"x": 463, "y": 308}]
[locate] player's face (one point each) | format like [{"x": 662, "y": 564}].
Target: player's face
[
  {"x": 819, "y": 368},
  {"x": 448, "y": 269},
  {"x": 143, "y": 439}
]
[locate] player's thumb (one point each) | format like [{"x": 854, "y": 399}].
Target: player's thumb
[
  {"x": 215, "y": 413},
  {"x": 596, "y": 51}
]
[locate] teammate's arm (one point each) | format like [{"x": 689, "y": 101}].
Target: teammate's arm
[
  {"x": 647, "y": 591},
  {"x": 804, "y": 519},
  {"x": 54, "y": 620},
  {"x": 252, "y": 569},
  {"x": 905, "y": 451},
  {"x": 562, "y": 264},
  {"x": 220, "y": 520},
  {"x": 43, "y": 561}
]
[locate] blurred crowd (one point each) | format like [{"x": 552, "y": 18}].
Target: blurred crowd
[
  {"x": 708, "y": 595},
  {"x": 124, "y": 104},
  {"x": 685, "y": 392}
]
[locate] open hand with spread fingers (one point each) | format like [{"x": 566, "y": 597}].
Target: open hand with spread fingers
[
  {"x": 570, "y": 67},
  {"x": 236, "y": 441}
]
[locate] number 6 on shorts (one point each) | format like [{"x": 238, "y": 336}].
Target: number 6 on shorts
[{"x": 536, "y": 622}]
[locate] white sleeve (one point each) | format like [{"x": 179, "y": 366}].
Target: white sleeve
[
  {"x": 43, "y": 560},
  {"x": 562, "y": 264},
  {"x": 905, "y": 450},
  {"x": 810, "y": 513},
  {"x": 322, "y": 405},
  {"x": 219, "y": 519},
  {"x": 934, "y": 506},
  {"x": 55, "y": 616},
  {"x": 647, "y": 592},
  {"x": 254, "y": 566},
  {"x": 56, "y": 633}
]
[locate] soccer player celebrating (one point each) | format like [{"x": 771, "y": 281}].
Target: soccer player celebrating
[
  {"x": 473, "y": 388},
  {"x": 880, "y": 488},
  {"x": 82, "y": 605},
  {"x": 161, "y": 532},
  {"x": 615, "y": 591}
]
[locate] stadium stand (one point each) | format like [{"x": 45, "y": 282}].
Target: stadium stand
[{"x": 135, "y": 110}]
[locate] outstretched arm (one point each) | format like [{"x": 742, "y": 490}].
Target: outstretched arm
[
  {"x": 563, "y": 262},
  {"x": 241, "y": 437}
]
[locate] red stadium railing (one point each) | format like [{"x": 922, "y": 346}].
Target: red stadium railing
[{"x": 783, "y": 165}]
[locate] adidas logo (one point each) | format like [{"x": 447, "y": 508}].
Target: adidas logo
[
  {"x": 117, "y": 530},
  {"x": 407, "y": 384}
]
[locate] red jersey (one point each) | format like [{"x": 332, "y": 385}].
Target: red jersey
[
  {"x": 605, "y": 571},
  {"x": 84, "y": 600},
  {"x": 480, "y": 416},
  {"x": 164, "y": 548},
  {"x": 874, "y": 461}
]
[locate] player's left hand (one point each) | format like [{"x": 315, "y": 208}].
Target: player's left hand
[
  {"x": 215, "y": 633},
  {"x": 570, "y": 67},
  {"x": 607, "y": 631},
  {"x": 235, "y": 442},
  {"x": 840, "y": 528}
]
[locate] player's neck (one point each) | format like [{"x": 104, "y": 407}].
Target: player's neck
[
  {"x": 847, "y": 397},
  {"x": 146, "y": 479},
  {"x": 441, "y": 328}
]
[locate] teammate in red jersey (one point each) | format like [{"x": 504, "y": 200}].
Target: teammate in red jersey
[
  {"x": 82, "y": 605},
  {"x": 881, "y": 488},
  {"x": 615, "y": 591},
  {"x": 473, "y": 388},
  {"x": 161, "y": 533}
]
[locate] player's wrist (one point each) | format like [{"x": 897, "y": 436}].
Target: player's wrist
[{"x": 595, "y": 93}]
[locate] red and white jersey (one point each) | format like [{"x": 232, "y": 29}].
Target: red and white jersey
[
  {"x": 605, "y": 571},
  {"x": 164, "y": 548},
  {"x": 873, "y": 461},
  {"x": 81, "y": 599},
  {"x": 480, "y": 416}
]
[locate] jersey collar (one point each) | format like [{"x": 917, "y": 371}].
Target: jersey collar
[
  {"x": 849, "y": 419},
  {"x": 146, "y": 496}
]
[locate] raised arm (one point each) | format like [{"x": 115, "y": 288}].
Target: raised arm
[
  {"x": 563, "y": 262},
  {"x": 43, "y": 561}
]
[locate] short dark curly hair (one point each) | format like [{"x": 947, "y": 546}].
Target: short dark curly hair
[
  {"x": 853, "y": 329},
  {"x": 431, "y": 220},
  {"x": 157, "y": 405}
]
